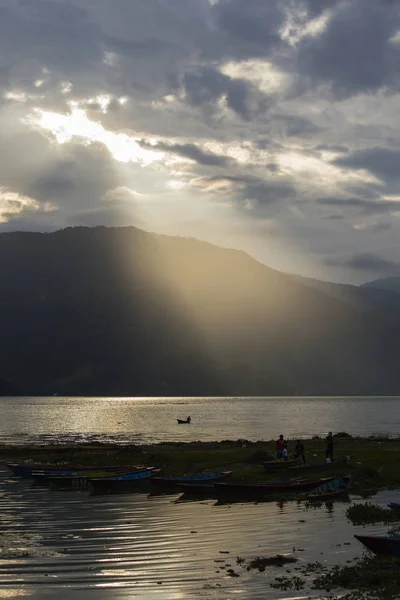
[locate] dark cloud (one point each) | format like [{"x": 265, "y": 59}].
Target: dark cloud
[
  {"x": 192, "y": 152},
  {"x": 382, "y": 162},
  {"x": 353, "y": 53},
  {"x": 316, "y": 7},
  {"x": 331, "y": 148},
  {"x": 247, "y": 188},
  {"x": 208, "y": 85},
  {"x": 253, "y": 24},
  {"x": 365, "y": 262},
  {"x": 297, "y": 126},
  {"x": 370, "y": 207},
  {"x": 46, "y": 34}
]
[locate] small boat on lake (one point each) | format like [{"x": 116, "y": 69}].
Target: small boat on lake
[
  {"x": 381, "y": 544},
  {"x": 125, "y": 482},
  {"x": 31, "y": 470},
  {"x": 166, "y": 482},
  {"x": 334, "y": 488},
  {"x": 183, "y": 421},
  {"x": 343, "y": 460},
  {"x": 280, "y": 464}
]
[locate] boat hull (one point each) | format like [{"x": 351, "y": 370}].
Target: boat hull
[
  {"x": 27, "y": 470},
  {"x": 345, "y": 460},
  {"x": 262, "y": 489},
  {"x": 123, "y": 483},
  {"x": 81, "y": 481},
  {"x": 381, "y": 545},
  {"x": 169, "y": 482},
  {"x": 334, "y": 488},
  {"x": 277, "y": 465},
  {"x": 207, "y": 490}
]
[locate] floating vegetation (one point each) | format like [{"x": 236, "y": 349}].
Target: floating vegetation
[
  {"x": 289, "y": 583},
  {"x": 368, "y": 578},
  {"x": 260, "y": 563},
  {"x": 366, "y": 514},
  {"x": 374, "y": 578}
]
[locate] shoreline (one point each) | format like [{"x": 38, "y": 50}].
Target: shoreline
[
  {"x": 374, "y": 467},
  {"x": 374, "y": 464}
]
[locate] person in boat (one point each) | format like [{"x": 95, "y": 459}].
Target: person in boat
[
  {"x": 285, "y": 453},
  {"x": 329, "y": 446},
  {"x": 188, "y": 419},
  {"x": 280, "y": 446},
  {"x": 299, "y": 451}
]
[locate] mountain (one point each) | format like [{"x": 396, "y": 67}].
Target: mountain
[
  {"x": 120, "y": 311},
  {"x": 391, "y": 284},
  {"x": 365, "y": 297}
]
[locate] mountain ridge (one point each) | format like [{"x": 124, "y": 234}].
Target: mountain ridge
[{"x": 121, "y": 311}]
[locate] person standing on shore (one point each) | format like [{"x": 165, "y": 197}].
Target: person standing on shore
[
  {"x": 280, "y": 446},
  {"x": 299, "y": 451},
  {"x": 329, "y": 446}
]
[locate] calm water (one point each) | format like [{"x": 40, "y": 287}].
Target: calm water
[
  {"x": 138, "y": 547},
  {"x": 141, "y": 420}
]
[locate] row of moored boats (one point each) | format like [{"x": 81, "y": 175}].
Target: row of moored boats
[{"x": 116, "y": 479}]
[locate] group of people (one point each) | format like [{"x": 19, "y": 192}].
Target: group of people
[{"x": 299, "y": 451}]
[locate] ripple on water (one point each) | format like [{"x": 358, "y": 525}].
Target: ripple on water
[{"x": 111, "y": 545}]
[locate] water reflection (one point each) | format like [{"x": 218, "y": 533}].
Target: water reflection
[
  {"x": 115, "y": 546},
  {"x": 83, "y": 420}
]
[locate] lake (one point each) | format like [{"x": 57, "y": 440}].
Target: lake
[
  {"x": 72, "y": 545},
  {"x": 149, "y": 420}
]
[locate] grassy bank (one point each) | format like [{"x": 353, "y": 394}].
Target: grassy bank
[{"x": 374, "y": 466}]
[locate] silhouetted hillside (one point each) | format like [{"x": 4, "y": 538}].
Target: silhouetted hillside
[
  {"x": 100, "y": 311},
  {"x": 385, "y": 283}
]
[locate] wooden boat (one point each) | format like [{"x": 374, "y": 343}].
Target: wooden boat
[
  {"x": 280, "y": 464},
  {"x": 182, "y": 421},
  {"x": 164, "y": 482},
  {"x": 260, "y": 489},
  {"x": 334, "y": 488},
  {"x": 28, "y": 470},
  {"x": 381, "y": 544},
  {"x": 126, "y": 482},
  {"x": 343, "y": 460},
  {"x": 79, "y": 480}
]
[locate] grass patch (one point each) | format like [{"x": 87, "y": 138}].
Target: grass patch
[{"x": 374, "y": 466}]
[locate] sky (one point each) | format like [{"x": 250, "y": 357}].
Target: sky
[{"x": 271, "y": 126}]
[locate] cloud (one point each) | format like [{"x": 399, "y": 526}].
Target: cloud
[
  {"x": 297, "y": 126},
  {"x": 382, "y": 162},
  {"x": 370, "y": 207},
  {"x": 246, "y": 190},
  {"x": 190, "y": 151},
  {"x": 254, "y": 111},
  {"x": 353, "y": 53},
  {"x": 366, "y": 262},
  {"x": 207, "y": 86},
  {"x": 331, "y": 148},
  {"x": 254, "y": 25}
]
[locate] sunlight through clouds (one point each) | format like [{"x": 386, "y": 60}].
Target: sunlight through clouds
[
  {"x": 123, "y": 147},
  {"x": 12, "y": 203}
]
